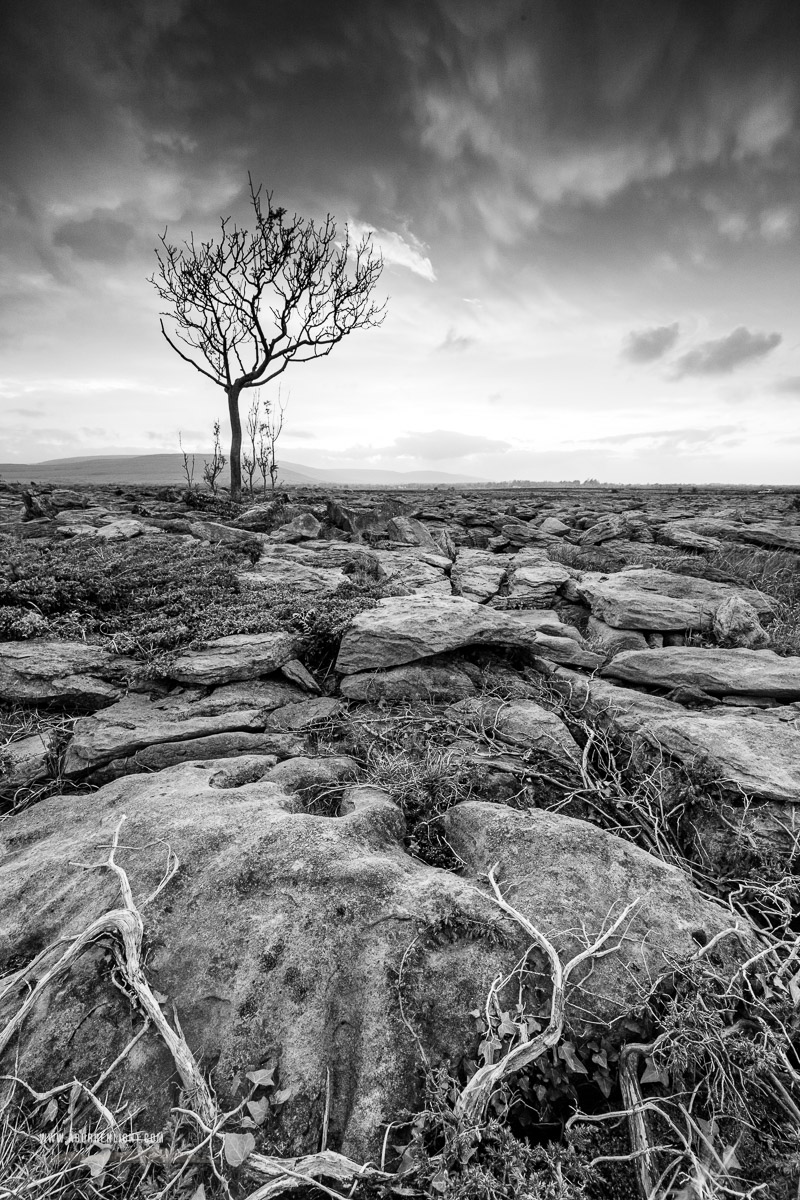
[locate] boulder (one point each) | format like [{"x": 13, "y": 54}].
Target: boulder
[
  {"x": 684, "y": 537},
  {"x": 81, "y": 516},
  {"x": 303, "y": 714},
  {"x": 301, "y": 578},
  {"x": 554, "y": 526},
  {"x": 534, "y": 580},
  {"x": 136, "y": 722},
  {"x": 263, "y": 517},
  {"x": 614, "y": 640},
  {"x": 216, "y": 746},
  {"x": 444, "y": 542},
  {"x": 716, "y": 671},
  {"x": 736, "y": 624},
  {"x": 630, "y": 526},
  {"x": 520, "y": 722},
  {"x": 770, "y": 535},
  {"x": 749, "y": 752},
  {"x": 26, "y": 761},
  {"x": 72, "y": 675},
  {"x": 410, "y": 532},
  {"x": 659, "y": 600},
  {"x": 227, "y": 659},
  {"x": 428, "y": 681},
  {"x": 545, "y": 620},
  {"x": 356, "y": 518},
  {"x": 515, "y": 533},
  {"x": 401, "y": 630},
  {"x": 477, "y": 574},
  {"x": 300, "y": 528},
  {"x": 414, "y": 571},
  {"x": 280, "y": 940}
]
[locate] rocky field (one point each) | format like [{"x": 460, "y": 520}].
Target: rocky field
[{"x": 390, "y": 843}]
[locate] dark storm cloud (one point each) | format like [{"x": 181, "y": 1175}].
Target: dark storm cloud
[
  {"x": 100, "y": 238},
  {"x": 722, "y": 355},
  {"x": 646, "y": 345},
  {"x": 459, "y": 116}
]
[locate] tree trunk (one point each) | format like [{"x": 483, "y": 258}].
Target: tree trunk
[{"x": 236, "y": 442}]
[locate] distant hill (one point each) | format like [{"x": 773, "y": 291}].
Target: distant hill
[{"x": 168, "y": 469}]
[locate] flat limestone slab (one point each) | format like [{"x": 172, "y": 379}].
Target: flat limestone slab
[
  {"x": 660, "y": 600},
  {"x": 431, "y": 681},
  {"x": 227, "y": 659},
  {"x": 716, "y": 671},
  {"x": 752, "y": 751},
  {"x": 403, "y": 629},
  {"x": 73, "y": 674},
  {"x": 303, "y": 578},
  {"x": 137, "y": 721}
]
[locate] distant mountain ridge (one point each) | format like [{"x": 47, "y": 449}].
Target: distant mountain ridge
[{"x": 167, "y": 469}]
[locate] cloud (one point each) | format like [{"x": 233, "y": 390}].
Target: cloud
[
  {"x": 101, "y": 238},
  {"x": 436, "y": 445},
  {"x": 725, "y": 354},
  {"x": 400, "y": 251},
  {"x": 674, "y": 441},
  {"x": 646, "y": 345},
  {"x": 790, "y": 386},
  {"x": 456, "y": 342},
  {"x": 778, "y": 224}
]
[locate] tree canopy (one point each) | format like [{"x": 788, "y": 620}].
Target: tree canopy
[{"x": 246, "y": 304}]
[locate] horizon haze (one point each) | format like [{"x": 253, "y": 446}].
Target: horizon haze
[{"x": 588, "y": 212}]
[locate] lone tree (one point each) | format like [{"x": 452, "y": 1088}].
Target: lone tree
[{"x": 247, "y": 304}]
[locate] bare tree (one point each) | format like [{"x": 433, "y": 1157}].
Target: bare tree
[
  {"x": 214, "y": 466},
  {"x": 250, "y": 455},
  {"x": 271, "y": 429},
  {"x": 188, "y": 464},
  {"x": 247, "y": 304}
]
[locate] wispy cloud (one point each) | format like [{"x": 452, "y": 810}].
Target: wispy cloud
[
  {"x": 722, "y": 355},
  {"x": 686, "y": 441},
  {"x": 398, "y": 249},
  {"x": 646, "y": 345},
  {"x": 436, "y": 445}
]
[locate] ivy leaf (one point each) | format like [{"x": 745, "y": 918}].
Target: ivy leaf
[
  {"x": 653, "y": 1073},
  {"x": 97, "y": 1162},
  {"x": 285, "y": 1094},
  {"x": 199, "y": 1192},
  {"x": 262, "y": 1078},
  {"x": 567, "y": 1051},
  {"x": 51, "y": 1112},
  {"x": 237, "y": 1147},
  {"x": 603, "y": 1081},
  {"x": 258, "y": 1110},
  {"x": 729, "y": 1158},
  {"x": 506, "y": 1028}
]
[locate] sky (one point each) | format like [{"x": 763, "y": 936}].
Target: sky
[{"x": 588, "y": 210}]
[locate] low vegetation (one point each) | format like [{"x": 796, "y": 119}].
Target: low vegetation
[{"x": 138, "y": 600}]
